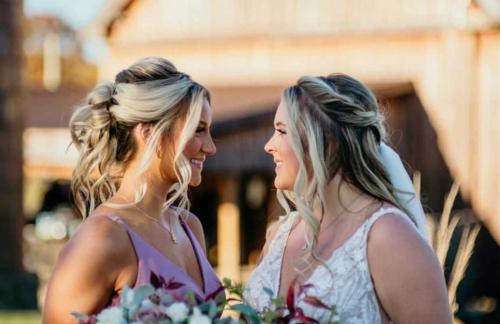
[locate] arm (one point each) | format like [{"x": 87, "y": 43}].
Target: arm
[
  {"x": 406, "y": 273},
  {"x": 85, "y": 273}
]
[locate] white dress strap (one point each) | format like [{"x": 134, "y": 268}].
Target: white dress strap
[{"x": 379, "y": 213}]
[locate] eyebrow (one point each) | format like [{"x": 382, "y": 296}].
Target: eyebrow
[{"x": 280, "y": 124}]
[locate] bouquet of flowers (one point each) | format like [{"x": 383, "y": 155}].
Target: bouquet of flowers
[
  {"x": 147, "y": 305},
  {"x": 281, "y": 310}
]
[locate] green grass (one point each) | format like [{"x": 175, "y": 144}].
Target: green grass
[{"x": 20, "y": 317}]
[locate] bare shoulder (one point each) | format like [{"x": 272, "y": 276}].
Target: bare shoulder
[
  {"x": 87, "y": 269},
  {"x": 406, "y": 273},
  {"x": 193, "y": 222},
  {"x": 99, "y": 237},
  {"x": 394, "y": 236},
  {"x": 395, "y": 233},
  {"x": 189, "y": 218}
]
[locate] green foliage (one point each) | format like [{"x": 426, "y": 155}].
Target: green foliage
[
  {"x": 20, "y": 317},
  {"x": 280, "y": 311}
]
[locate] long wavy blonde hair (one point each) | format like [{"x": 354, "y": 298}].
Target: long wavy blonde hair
[
  {"x": 335, "y": 127},
  {"x": 151, "y": 91}
]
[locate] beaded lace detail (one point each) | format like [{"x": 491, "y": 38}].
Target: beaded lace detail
[{"x": 348, "y": 285}]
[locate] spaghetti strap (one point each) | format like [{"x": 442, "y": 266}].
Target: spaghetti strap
[
  {"x": 155, "y": 268},
  {"x": 114, "y": 218}
]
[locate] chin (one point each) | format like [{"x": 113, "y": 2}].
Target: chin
[
  {"x": 195, "y": 181},
  {"x": 281, "y": 185}
]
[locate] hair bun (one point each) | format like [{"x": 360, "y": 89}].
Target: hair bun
[{"x": 101, "y": 95}]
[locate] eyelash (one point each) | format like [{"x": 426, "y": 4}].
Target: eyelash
[
  {"x": 200, "y": 129},
  {"x": 281, "y": 132}
]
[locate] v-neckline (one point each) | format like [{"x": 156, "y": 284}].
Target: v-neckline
[
  {"x": 194, "y": 246},
  {"x": 328, "y": 260}
]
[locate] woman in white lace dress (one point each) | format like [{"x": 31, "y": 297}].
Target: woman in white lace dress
[{"x": 353, "y": 228}]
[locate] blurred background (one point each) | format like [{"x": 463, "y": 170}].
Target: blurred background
[{"x": 434, "y": 64}]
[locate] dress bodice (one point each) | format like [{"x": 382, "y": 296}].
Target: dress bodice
[
  {"x": 156, "y": 269},
  {"x": 344, "y": 282}
]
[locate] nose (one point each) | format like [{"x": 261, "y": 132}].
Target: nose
[
  {"x": 269, "y": 147},
  {"x": 209, "y": 146}
]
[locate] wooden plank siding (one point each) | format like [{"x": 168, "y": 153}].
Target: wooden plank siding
[{"x": 447, "y": 49}]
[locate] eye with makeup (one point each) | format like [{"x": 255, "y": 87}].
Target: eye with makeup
[
  {"x": 280, "y": 131},
  {"x": 202, "y": 127},
  {"x": 280, "y": 128}
]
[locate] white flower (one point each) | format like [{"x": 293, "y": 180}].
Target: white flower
[
  {"x": 112, "y": 315},
  {"x": 132, "y": 298},
  {"x": 147, "y": 303},
  {"x": 178, "y": 312},
  {"x": 165, "y": 297},
  {"x": 199, "y": 318}
]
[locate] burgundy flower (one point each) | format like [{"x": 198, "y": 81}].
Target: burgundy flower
[
  {"x": 295, "y": 313},
  {"x": 160, "y": 282},
  {"x": 214, "y": 294},
  {"x": 315, "y": 302}
]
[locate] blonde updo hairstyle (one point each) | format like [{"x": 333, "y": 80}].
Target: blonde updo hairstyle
[
  {"x": 335, "y": 127},
  {"x": 151, "y": 91}
]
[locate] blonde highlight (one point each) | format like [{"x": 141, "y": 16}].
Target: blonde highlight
[
  {"x": 335, "y": 127},
  {"x": 151, "y": 91}
]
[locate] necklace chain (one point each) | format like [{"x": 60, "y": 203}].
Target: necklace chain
[{"x": 157, "y": 221}]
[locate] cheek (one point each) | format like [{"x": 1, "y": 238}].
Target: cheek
[
  {"x": 192, "y": 147},
  {"x": 292, "y": 167},
  {"x": 287, "y": 175},
  {"x": 291, "y": 159}
]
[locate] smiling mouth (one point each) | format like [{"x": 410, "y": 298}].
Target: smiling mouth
[{"x": 196, "y": 163}]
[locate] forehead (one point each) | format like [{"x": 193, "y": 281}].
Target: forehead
[
  {"x": 281, "y": 112},
  {"x": 206, "y": 112}
]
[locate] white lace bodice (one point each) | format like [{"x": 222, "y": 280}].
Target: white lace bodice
[{"x": 349, "y": 287}]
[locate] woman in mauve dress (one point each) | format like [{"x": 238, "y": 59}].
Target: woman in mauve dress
[{"x": 142, "y": 141}]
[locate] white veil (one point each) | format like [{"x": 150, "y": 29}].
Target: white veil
[{"x": 405, "y": 192}]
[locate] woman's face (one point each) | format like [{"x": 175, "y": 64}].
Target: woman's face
[
  {"x": 200, "y": 145},
  {"x": 287, "y": 165}
]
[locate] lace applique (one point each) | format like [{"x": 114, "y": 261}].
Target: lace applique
[
  {"x": 266, "y": 274},
  {"x": 347, "y": 285}
]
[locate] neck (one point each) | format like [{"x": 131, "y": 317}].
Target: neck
[
  {"x": 155, "y": 195},
  {"x": 342, "y": 199}
]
